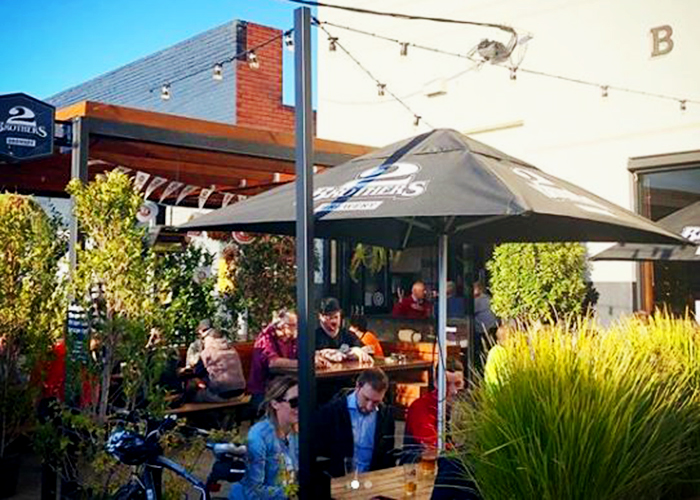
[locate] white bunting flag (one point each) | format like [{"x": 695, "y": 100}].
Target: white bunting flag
[
  {"x": 140, "y": 180},
  {"x": 170, "y": 189},
  {"x": 123, "y": 170},
  {"x": 186, "y": 191},
  {"x": 155, "y": 184},
  {"x": 227, "y": 199},
  {"x": 204, "y": 195}
]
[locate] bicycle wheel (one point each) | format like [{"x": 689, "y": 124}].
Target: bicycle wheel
[{"x": 130, "y": 491}]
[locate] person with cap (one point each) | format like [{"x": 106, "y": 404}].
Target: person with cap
[{"x": 334, "y": 343}]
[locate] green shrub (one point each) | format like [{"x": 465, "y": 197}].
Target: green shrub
[
  {"x": 538, "y": 281},
  {"x": 31, "y": 299},
  {"x": 588, "y": 414}
]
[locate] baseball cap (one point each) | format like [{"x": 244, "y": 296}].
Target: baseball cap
[{"x": 329, "y": 305}]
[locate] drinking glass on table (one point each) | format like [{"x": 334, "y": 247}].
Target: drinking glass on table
[
  {"x": 351, "y": 474},
  {"x": 410, "y": 479},
  {"x": 428, "y": 460}
]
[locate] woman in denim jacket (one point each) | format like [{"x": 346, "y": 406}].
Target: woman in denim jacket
[{"x": 273, "y": 446}]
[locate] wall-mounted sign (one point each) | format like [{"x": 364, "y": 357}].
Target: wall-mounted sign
[
  {"x": 147, "y": 212},
  {"x": 26, "y": 127},
  {"x": 242, "y": 238}
]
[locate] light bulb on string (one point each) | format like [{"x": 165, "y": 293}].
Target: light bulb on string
[
  {"x": 604, "y": 91},
  {"x": 165, "y": 92},
  {"x": 404, "y": 48},
  {"x": 332, "y": 43},
  {"x": 416, "y": 120},
  {"x": 289, "y": 41},
  {"x": 513, "y": 73},
  {"x": 253, "y": 61},
  {"x": 381, "y": 88},
  {"x": 218, "y": 72},
  {"x": 683, "y": 105}
]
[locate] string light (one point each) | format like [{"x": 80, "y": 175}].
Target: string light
[
  {"x": 218, "y": 73},
  {"x": 240, "y": 55},
  {"x": 289, "y": 41},
  {"x": 683, "y": 104},
  {"x": 519, "y": 68},
  {"x": 513, "y": 73},
  {"x": 253, "y": 62},
  {"x": 604, "y": 90},
  {"x": 332, "y": 43},
  {"x": 416, "y": 120},
  {"x": 404, "y": 48},
  {"x": 380, "y": 88},
  {"x": 165, "y": 92}
]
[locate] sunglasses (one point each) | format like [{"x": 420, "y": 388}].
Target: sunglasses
[{"x": 293, "y": 402}]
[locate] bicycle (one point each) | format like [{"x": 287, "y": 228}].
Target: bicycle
[{"x": 146, "y": 454}]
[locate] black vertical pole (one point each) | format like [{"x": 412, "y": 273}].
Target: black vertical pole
[
  {"x": 304, "y": 245},
  {"x": 78, "y": 170}
]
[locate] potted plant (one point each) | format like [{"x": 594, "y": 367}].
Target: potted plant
[{"x": 30, "y": 317}]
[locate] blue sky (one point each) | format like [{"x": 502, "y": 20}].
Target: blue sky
[{"x": 47, "y": 46}]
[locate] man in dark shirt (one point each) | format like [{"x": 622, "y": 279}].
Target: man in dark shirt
[{"x": 334, "y": 343}]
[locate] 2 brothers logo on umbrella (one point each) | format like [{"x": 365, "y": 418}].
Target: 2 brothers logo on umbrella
[{"x": 371, "y": 187}]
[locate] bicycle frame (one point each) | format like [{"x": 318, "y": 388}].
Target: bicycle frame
[{"x": 149, "y": 483}]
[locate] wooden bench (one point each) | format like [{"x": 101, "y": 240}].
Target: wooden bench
[{"x": 189, "y": 408}]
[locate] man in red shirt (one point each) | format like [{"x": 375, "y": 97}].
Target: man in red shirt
[
  {"x": 421, "y": 419},
  {"x": 415, "y": 306}
]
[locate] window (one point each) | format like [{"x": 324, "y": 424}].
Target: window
[{"x": 666, "y": 184}]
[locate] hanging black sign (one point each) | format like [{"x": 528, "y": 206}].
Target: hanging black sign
[{"x": 26, "y": 127}]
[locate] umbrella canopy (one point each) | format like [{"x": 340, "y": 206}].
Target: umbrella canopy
[
  {"x": 685, "y": 222},
  {"x": 437, "y": 183},
  {"x": 432, "y": 188}
]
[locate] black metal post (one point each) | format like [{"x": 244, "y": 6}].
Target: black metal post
[
  {"x": 78, "y": 170},
  {"x": 304, "y": 246}
]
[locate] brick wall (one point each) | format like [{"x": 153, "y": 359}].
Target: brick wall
[{"x": 259, "y": 91}]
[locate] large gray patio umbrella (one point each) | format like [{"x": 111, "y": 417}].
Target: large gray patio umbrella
[
  {"x": 685, "y": 222},
  {"x": 435, "y": 186}
]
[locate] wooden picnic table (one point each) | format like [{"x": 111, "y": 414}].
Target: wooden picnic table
[
  {"x": 386, "y": 482},
  {"x": 352, "y": 368}
]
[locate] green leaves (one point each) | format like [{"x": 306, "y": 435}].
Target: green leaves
[
  {"x": 532, "y": 281},
  {"x": 31, "y": 298},
  {"x": 585, "y": 413}
]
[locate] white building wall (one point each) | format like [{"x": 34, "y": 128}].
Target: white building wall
[{"x": 564, "y": 128}]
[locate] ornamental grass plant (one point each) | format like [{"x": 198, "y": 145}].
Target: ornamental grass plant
[{"x": 584, "y": 413}]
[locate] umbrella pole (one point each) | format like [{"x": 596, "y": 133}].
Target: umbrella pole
[
  {"x": 304, "y": 246},
  {"x": 442, "y": 338}
]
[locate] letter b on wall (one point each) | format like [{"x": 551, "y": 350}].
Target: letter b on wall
[{"x": 661, "y": 40}]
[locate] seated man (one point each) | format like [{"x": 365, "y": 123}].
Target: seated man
[
  {"x": 358, "y": 425},
  {"x": 484, "y": 319},
  {"x": 421, "y": 419},
  {"x": 275, "y": 346},
  {"x": 415, "y": 306},
  {"x": 337, "y": 344}
]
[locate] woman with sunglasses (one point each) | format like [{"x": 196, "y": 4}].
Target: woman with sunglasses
[{"x": 273, "y": 445}]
